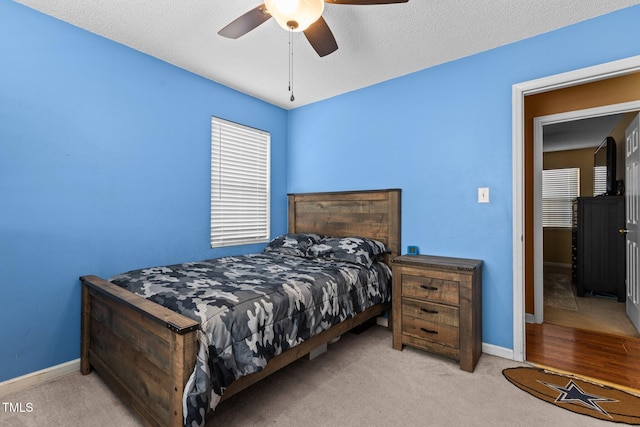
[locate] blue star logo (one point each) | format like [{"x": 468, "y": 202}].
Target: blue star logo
[{"x": 572, "y": 393}]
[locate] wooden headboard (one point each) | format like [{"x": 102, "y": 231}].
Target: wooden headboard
[{"x": 372, "y": 213}]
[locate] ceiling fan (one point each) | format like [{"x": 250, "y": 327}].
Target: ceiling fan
[{"x": 296, "y": 16}]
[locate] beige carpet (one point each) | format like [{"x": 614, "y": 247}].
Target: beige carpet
[
  {"x": 595, "y": 313},
  {"x": 359, "y": 381}
]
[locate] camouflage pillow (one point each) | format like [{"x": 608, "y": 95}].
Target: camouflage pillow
[
  {"x": 357, "y": 250},
  {"x": 296, "y": 244}
]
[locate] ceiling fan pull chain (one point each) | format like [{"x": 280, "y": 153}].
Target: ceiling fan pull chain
[{"x": 291, "y": 64}]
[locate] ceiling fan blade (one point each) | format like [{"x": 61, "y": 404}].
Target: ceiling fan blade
[
  {"x": 364, "y": 2},
  {"x": 321, "y": 38},
  {"x": 246, "y": 22}
]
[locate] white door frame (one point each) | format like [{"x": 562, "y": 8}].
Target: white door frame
[{"x": 519, "y": 91}]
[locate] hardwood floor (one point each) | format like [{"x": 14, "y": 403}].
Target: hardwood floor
[
  {"x": 589, "y": 336},
  {"x": 608, "y": 358}
]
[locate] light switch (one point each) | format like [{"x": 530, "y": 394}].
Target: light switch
[{"x": 483, "y": 195}]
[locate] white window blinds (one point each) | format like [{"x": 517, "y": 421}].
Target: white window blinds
[
  {"x": 240, "y": 163},
  {"x": 559, "y": 188},
  {"x": 599, "y": 180}
]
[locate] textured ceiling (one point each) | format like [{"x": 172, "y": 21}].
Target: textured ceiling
[{"x": 376, "y": 43}]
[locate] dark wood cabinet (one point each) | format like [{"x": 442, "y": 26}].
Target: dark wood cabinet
[{"x": 599, "y": 246}]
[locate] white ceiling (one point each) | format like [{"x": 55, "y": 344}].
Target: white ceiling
[{"x": 376, "y": 43}]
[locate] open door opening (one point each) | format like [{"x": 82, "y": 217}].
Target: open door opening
[{"x": 580, "y": 265}]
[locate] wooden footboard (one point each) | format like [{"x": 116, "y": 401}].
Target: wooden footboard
[{"x": 146, "y": 352}]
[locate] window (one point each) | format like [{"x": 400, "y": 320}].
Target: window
[
  {"x": 239, "y": 184},
  {"x": 599, "y": 180},
  {"x": 559, "y": 188}
]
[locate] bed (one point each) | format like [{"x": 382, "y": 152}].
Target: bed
[{"x": 147, "y": 352}]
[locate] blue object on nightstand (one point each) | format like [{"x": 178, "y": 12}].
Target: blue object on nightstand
[{"x": 412, "y": 250}]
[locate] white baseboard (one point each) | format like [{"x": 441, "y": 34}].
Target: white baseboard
[
  {"x": 494, "y": 350},
  {"x": 382, "y": 321},
  {"x": 35, "y": 378}
]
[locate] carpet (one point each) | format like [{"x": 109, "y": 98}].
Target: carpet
[{"x": 577, "y": 395}]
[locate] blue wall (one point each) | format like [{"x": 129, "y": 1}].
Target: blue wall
[
  {"x": 104, "y": 162},
  {"x": 441, "y": 133},
  {"x": 104, "y": 167}
]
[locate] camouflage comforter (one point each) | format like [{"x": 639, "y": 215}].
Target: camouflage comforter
[{"x": 254, "y": 307}]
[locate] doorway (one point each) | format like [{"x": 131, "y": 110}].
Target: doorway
[
  {"x": 539, "y": 123},
  {"x": 568, "y": 148},
  {"x": 614, "y": 83}
]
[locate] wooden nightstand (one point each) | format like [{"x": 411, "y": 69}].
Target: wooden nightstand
[{"x": 437, "y": 306}]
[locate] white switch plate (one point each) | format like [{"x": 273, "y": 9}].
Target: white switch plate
[{"x": 483, "y": 195}]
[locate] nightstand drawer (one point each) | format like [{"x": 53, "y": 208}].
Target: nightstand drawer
[
  {"x": 431, "y": 312},
  {"x": 431, "y": 288},
  {"x": 431, "y": 331}
]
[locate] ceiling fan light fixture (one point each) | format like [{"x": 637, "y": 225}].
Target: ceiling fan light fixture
[{"x": 295, "y": 15}]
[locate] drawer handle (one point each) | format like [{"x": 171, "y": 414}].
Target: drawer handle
[
  {"x": 429, "y": 288},
  {"x": 429, "y": 311},
  {"x": 429, "y": 331}
]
